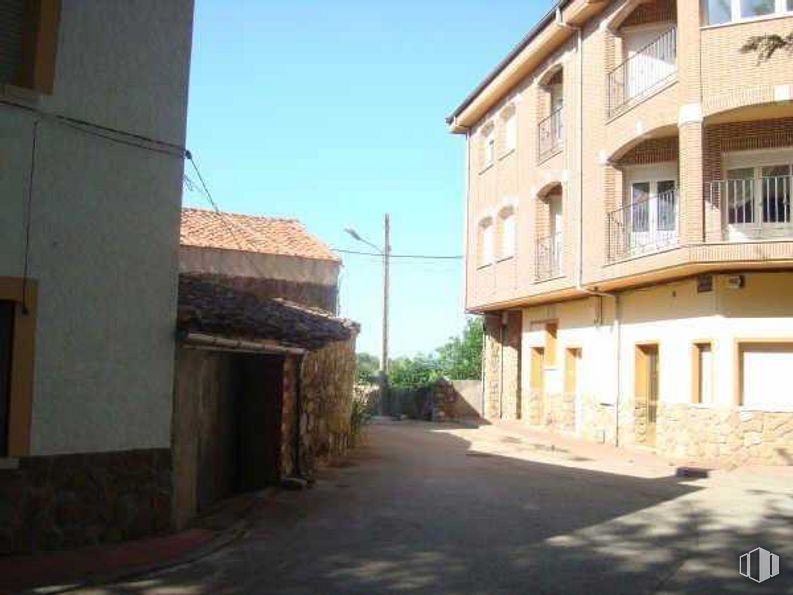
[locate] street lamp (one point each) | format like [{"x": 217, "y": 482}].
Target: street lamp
[{"x": 386, "y": 254}]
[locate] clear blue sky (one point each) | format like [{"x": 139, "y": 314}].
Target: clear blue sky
[{"x": 333, "y": 112}]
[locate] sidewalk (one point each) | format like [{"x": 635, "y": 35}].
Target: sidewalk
[
  {"x": 60, "y": 571},
  {"x": 571, "y": 451}
]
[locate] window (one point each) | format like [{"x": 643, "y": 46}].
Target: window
[
  {"x": 702, "y": 374},
  {"x": 717, "y": 12},
  {"x": 6, "y": 337},
  {"x": 758, "y": 190},
  {"x": 486, "y": 242},
  {"x": 764, "y": 370},
  {"x": 29, "y": 31},
  {"x": 507, "y": 220},
  {"x": 757, "y": 8},
  {"x": 489, "y": 145},
  {"x": 510, "y": 131}
]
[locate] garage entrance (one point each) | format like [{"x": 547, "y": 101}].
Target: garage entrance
[{"x": 227, "y": 426}]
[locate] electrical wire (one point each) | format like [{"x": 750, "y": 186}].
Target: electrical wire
[
  {"x": 106, "y": 132},
  {"x": 414, "y": 256},
  {"x": 28, "y": 217}
]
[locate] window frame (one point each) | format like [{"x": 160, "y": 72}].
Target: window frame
[
  {"x": 7, "y": 319},
  {"x": 507, "y": 242},
  {"x": 486, "y": 232},
  {"x": 696, "y": 372},
  {"x": 23, "y": 352},
  {"x": 39, "y": 48},
  {"x": 781, "y": 8}
]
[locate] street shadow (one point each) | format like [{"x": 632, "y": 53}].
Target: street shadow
[{"x": 417, "y": 510}]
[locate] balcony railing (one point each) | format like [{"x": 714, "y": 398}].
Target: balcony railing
[
  {"x": 643, "y": 227},
  {"x": 548, "y": 255},
  {"x": 643, "y": 73},
  {"x": 550, "y": 134},
  {"x": 749, "y": 209}
]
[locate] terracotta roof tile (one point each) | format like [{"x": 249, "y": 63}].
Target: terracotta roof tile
[
  {"x": 202, "y": 228},
  {"x": 218, "y": 310}
]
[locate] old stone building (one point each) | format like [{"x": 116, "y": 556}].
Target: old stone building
[{"x": 264, "y": 370}]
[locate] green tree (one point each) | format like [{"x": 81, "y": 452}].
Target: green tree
[
  {"x": 412, "y": 373},
  {"x": 461, "y": 357},
  {"x": 366, "y": 368}
]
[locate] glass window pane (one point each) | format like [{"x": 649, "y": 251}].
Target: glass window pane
[
  {"x": 757, "y": 8},
  {"x": 717, "y": 11},
  {"x": 776, "y": 194},
  {"x": 790, "y": 4},
  {"x": 666, "y": 205},
  {"x": 640, "y": 211},
  {"x": 740, "y": 195}
]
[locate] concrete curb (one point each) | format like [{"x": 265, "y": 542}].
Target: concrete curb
[{"x": 223, "y": 539}]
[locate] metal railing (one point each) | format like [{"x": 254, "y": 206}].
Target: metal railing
[
  {"x": 550, "y": 134},
  {"x": 749, "y": 208},
  {"x": 548, "y": 256},
  {"x": 643, "y": 227},
  {"x": 643, "y": 73}
]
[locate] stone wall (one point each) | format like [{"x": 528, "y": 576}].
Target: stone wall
[
  {"x": 740, "y": 437},
  {"x": 66, "y": 501},
  {"x": 456, "y": 399},
  {"x": 502, "y": 361},
  {"x": 328, "y": 378}
]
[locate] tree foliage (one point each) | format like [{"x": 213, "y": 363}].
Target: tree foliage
[
  {"x": 366, "y": 368},
  {"x": 767, "y": 45},
  {"x": 460, "y": 358}
]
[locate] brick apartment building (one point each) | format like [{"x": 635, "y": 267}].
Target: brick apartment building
[{"x": 628, "y": 227}]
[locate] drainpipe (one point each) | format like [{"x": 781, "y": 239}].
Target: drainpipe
[
  {"x": 580, "y": 248},
  {"x": 503, "y": 327}
]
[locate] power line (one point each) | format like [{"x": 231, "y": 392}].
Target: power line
[
  {"x": 105, "y": 132},
  {"x": 414, "y": 256}
]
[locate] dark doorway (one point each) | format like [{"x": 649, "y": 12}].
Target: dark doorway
[
  {"x": 227, "y": 424},
  {"x": 260, "y": 412},
  {"x": 6, "y": 339}
]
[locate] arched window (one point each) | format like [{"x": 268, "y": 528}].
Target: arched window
[
  {"x": 510, "y": 120},
  {"x": 488, "y": 145},
  {"x": 486, "y": 242},
  {"x": 506, "y": 219}
]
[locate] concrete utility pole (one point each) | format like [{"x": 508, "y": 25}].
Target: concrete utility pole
[
  {"x": 384, "y": 392},
  {"x": 385, "y": 251}
]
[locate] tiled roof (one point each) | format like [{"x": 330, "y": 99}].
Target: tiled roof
[
  {"x": 213, "y": 309},
  {"x": 265, "y": 235}
]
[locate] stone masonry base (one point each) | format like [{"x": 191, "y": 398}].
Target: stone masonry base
[{"x": 64, "y": 501}]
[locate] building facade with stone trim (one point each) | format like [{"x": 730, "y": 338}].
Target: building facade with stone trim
[
  {"x": 93, "y": 103},
  {"x": 629, "y": 234}
]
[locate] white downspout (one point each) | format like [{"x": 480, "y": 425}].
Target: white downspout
[{"x": 580, "y": 248}]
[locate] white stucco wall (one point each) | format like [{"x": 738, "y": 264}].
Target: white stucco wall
[
  {"x": 674, "y": 316},
  {"x": 104, "y": 226}
]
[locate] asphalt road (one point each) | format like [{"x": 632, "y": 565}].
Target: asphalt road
[{"x": 433, "y": 509}]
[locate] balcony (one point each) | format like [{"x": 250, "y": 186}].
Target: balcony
[
  {"x": 643, "y": 227},
  {"x": 748, "y": 209},
  {"x": 548, "y": 255},
  {"x": 550, "y": 135},
  {"x": 646, "y": 71}
]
